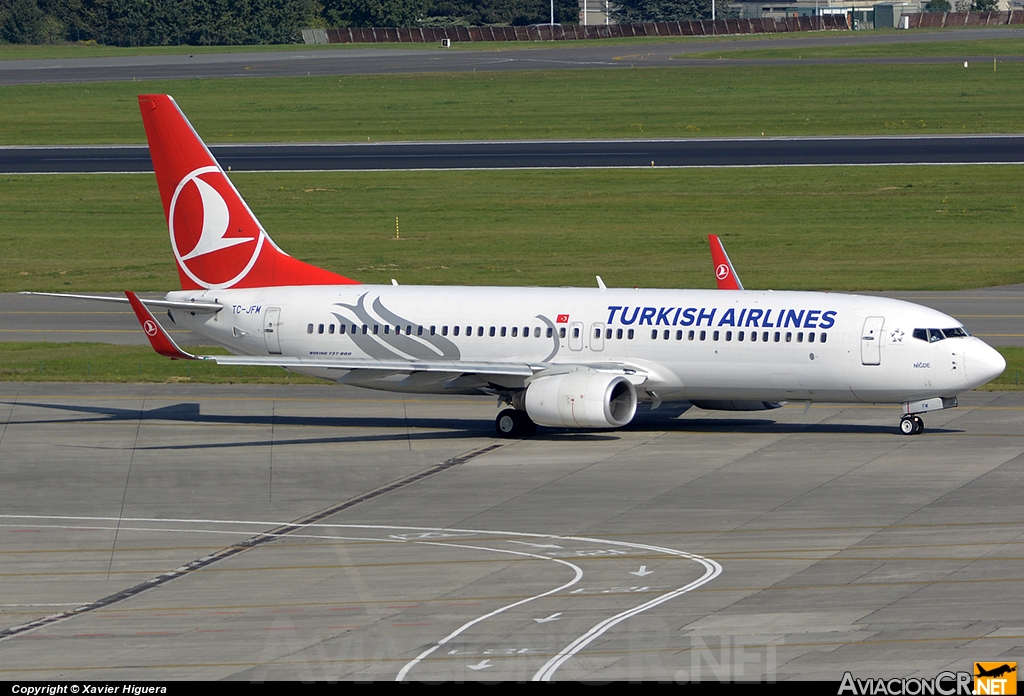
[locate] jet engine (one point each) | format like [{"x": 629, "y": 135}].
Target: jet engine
[{"x": 579, "y": 399}]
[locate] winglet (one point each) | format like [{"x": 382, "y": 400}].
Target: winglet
[
  {"x": 162, "y": 343},
  {"x": 725, "y": 274}
]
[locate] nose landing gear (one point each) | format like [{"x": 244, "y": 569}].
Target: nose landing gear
[{"x": 911, "y": 425}]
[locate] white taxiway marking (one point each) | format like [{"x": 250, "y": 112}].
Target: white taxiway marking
[{"x": 418, "y": 535}]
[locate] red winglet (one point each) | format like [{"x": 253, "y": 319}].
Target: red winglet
[
  {"x": 725, "y": 274},
  {"x": 158, "y": 338}
]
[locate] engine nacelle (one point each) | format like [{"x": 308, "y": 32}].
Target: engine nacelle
[
  {"x": 722, "y": 405},
  {"x": 579, "y": 399}
]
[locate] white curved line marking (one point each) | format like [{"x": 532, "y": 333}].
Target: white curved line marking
[
  {"x": 423, "y": 655},
  {"x": 712, "y": 571}
]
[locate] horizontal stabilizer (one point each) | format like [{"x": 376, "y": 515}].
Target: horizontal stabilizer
[{"x": 197, "y": 307}]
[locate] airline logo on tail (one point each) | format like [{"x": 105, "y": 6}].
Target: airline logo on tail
[{"x": 210, "y": 241}]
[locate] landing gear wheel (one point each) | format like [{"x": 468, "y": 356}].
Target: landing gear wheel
[
  {"x": 911, "y": 425},
  {"x": 513, "y": 423}
]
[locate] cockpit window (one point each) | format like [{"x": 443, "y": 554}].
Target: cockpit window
[{"x": 933, "y": 335}]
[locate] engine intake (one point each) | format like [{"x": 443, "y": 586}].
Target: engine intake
[{"x": 580, "y": 399}]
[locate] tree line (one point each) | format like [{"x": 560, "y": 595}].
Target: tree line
[
  {"x": 220, "y": 22},
  {"x": 226, "y": 22}
]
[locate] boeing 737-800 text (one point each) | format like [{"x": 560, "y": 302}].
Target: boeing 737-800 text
[{"x": 560, "y": 357}]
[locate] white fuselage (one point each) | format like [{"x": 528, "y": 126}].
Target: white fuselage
[{"x": 690, "y": 344}]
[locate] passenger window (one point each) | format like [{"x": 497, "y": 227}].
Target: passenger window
[
  {"x": 810, "y": 337},
  {"x": 728, "y": 335},
  {"x": 536, "y": 332},
  {"x": 455, "y": 330},
  {"x": 330, "y": 329},
  {"x": 561, "y": 332},
  {"x": 608, "y": 333},
  {"x": 309, "y": 328},
  {"x": 387, "y": 329},
  {"x": 550, "y": 332},
  {"x": 789, "y": 336},
  {"x": 714, "y": 336},
  {"x": 376, "y": 329},
  {"x": 667, "y": 332},
  {"x": 515, "y": 331},
  {"x": 490, "y": 332},
  {"x": 503, "y": 331},
  {"x": 408, "y": 331},
  {"x": 341, "y": 328},
  {"x": 690, "y": 337},
  {"x": 597, "y": 333},
  {"x": 679, "y": 335},
  {"x": 320, "y": 329},
  {"x": 753, "y": 337},
  {"x": 824, "y": 336},
  {"x": 778, "y": 336},
  {"x": 433, "y": 329},
  {"x": 618, "y": 334},
  {"x": 654, "y": 334},
  {"x": 740, "y": 337},
  {"x": 629, "y": 334},
  {"x": 703, "y": 334},
  {"x": 419, "y": 330},
  {"x": 365, "y": 329},
  {"x": 799, "y": 336},
  {"x": 444, "y": 330},
  {"x": 398, "y": 330},
  {"x": 764, "y": 337}
]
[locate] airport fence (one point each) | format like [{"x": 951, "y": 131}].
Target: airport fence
[{"x": 570, "y": 32}]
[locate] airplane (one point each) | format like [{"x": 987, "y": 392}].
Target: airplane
[
  {"x": 996, "y": 671},
  {"x": 556, "y": 357}
]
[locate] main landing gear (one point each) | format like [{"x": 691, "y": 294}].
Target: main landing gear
[
  {"x": 513, "y": 423},
  {"x": 911, "y": 424}
]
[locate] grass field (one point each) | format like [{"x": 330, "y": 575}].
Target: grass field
[
  {"x": 822, "y": 228},
  {"x": 640, "y": 102},
  {"x": 978, "y": 47}
]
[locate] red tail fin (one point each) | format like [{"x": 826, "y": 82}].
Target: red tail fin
[
  {"x": 725, "y": 274},
  {"x": 217, "y": 241}
]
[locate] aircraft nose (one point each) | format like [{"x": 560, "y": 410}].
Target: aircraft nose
[{"x": 982, "y": 363}]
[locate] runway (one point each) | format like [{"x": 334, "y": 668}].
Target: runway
[
  {"x": 381, "y": 60},
  {"x": 795, "y": 545},
  {"x": 534, "y": 154}
]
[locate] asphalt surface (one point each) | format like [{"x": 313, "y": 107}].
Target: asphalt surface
[
  {"x": 304, "y": 533},
  {"x": 367, "y": 60},
  {"x": 1003, "y": 149}
]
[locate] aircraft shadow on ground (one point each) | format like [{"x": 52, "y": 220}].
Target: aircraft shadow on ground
[{"x": 665, "y": 419}]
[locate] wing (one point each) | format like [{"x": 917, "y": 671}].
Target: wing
[{"x": 164, "y": 345}]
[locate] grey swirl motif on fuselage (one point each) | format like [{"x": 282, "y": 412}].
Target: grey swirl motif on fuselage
[
  {"x": 420, "y": 348},
  {"x": 554, "y": 333}
]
